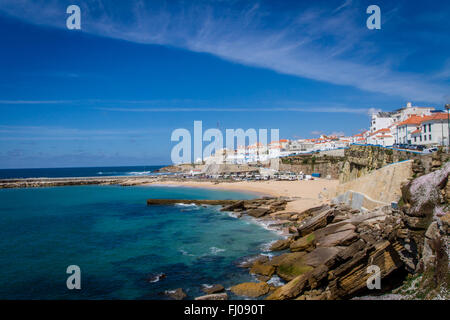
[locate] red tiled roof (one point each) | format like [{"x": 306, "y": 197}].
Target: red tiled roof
[
  {"x": 435, "y": 116},
  {"x": 414, "y": 119},
  {"x": 418, "y": 130}
]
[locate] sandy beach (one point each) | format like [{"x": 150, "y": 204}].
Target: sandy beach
[{"x": 309, "y": 193}]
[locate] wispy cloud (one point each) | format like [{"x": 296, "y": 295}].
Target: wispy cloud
[
  {"x": 364, "y": 111},
  {"x": 15, "y": 102},
  {"x": 311, "y": 43},
  {"x": 36, "y": 133}
]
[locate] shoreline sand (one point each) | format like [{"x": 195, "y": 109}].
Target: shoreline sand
[{"x": 307, "y": 193}]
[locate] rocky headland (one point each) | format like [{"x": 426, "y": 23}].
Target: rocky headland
[{"x": 329, "y": 249}]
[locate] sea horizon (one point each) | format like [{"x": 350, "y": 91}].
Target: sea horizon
[{"x": 73, "y": 172}]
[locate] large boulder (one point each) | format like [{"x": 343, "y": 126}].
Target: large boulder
[
  {"x": 342, "y": 238},
  {"x": 321, "y": 255},
  {"x": 213, "y": 289},
  {"x": 280, "y": 245},
  {"x": 290, "y": 290},
  {"x": 258, "y": 212},
  {"x": 291, "y": 265},
  {"x": 319, "y": 220},
  {"x": 351, "y": 277},
  {"x": 177, "y": 294},
  {"x": 262, "y": 269},
  {"x": 239, "y": 205},
  {"x": 305, "y": 243},
  {"x": 251, "y": 289}
]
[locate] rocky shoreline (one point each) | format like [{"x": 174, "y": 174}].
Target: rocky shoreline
[{"x": 329, "y": 250}]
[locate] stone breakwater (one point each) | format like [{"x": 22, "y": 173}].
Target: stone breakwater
[
  {"x": 328, "y": 248},
  {"x": 59, "y": 182}
]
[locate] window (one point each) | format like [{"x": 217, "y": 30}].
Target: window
[
  {"x": 424, "y": 137},
  {"x": 429, "y": 137},
  {"x": 424, "y": 128},
  {"x": 429, "y": 128},
  {"x": 415, "y": 139},
  {"x": 420, "y": 138}
]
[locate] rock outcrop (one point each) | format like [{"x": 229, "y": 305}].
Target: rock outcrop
[
  {"x": 335, "y": 248},
  {"x": 251, "y": 289}
]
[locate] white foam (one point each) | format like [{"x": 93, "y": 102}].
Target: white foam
[
  {"x": 157, "y": 278},
  {"x": 215, "y": 250},
  {"x": 276, "y": 281},
  {"x": 185, "y": 253},
  {"x": 191, "y": 205},
  {"x": 138, "y": 173}
]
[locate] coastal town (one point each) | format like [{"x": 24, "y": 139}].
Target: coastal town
[{"x": 411, "y": 127}]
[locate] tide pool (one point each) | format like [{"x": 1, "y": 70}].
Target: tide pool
[{"x": 119, "y": 243}]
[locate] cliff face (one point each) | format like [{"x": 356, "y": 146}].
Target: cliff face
[
  {"x": 333, "y": 247},
  {"x": 357, "y": 162},
  {"x": 325, "y": 165},
  {"x": 360, "y": 160}
]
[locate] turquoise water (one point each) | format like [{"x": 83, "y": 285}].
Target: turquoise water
[{"x": 119, "y": 243}]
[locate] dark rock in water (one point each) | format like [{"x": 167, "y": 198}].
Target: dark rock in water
[
  {"x": 156, "y": 277},
  {"x": 215, "y": 296},
  {"x": 248, "y": 263},
  {"x": 258, "y": 212},
  {"x": 234, "y": 206},
  {"x": 177, "y": 294},
  {"x": 214, "y": 289}
]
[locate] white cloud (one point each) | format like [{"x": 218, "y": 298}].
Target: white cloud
[{"x": 250, "y": 35}]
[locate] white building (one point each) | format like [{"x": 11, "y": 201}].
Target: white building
[
  {"x": 381, "y": 120},
  {"x": 406, "y": 128},
  {"x": 432, "y": 130}
]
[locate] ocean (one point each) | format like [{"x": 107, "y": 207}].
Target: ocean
[
  {"x": 120, "y": 243},
  {"x": 78, "y": 172}
]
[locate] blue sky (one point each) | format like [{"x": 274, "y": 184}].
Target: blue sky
[{"x": 113, "y": 92}]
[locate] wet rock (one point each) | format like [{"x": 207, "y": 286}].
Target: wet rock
[
  {"x": 258, "y": 212},
  {"x": 213, "y": 289},
  {"x": 215, "y": 296},
  {"x": 250, "y": 262},
  {"x": 280, "y": 245},
  {"x": 292, "y": 265},
  {"x": 262, "y": 269},
  {"x": 290, "y": 290},
  {"x": 251, "y": 289},
  {"x": 177, "y": 294},
  {"x": 234, "y": 206},
  {"x": 156, "y": 277},
  {"x": 305, "y": 243}
]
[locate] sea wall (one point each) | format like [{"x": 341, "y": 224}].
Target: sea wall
[
  {"x": 326, "y": 165},
  {"x": 378, "y": 188}
]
